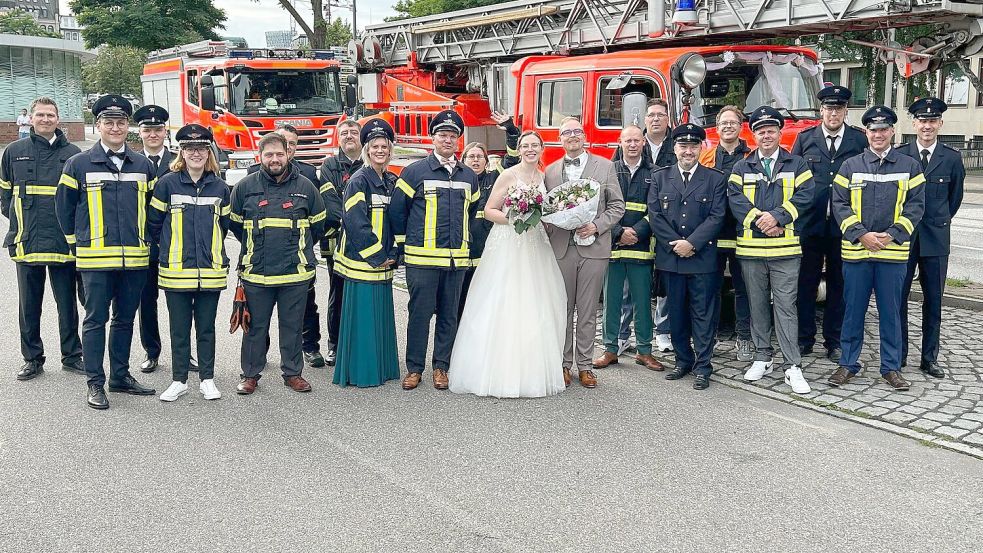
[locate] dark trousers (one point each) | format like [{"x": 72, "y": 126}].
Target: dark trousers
[
  {"x": 432, "y": 291},
  {"x": 289, "y": 302},
  {"x": 815, "y": 251},
  {"x": 183, "y": 308},
  {"x": 931, "y": 276},
  {"x": 121, "y": 290},
  {"x": 694, "y": 305},
  {"x": 30, "y": 290},
  {"x": 742, "y": 309},
  {"x": 336, "y": 285},
  {"x": 312, "y": 322},
  {"x": 149, "y": 323},
  {"x": 886, "y": 280},
  {"x": 465, "y": 287}
]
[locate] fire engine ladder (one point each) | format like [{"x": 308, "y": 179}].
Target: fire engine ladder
[
  {"x": 510, "y": 30},
  {"x": 200, "y": 49}
]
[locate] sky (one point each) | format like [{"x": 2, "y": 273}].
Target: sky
[{"x": 251, "y": 20}]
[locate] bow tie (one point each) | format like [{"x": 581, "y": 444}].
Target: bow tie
[
  {"x": 568, "y": 162},
  {"x": 117, "y": 155}
]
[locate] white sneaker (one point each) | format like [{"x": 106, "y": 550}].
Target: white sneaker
[
  {"x": 174, "y": 391},
  {"x": 757, "y": 370},
  {"x": 663, "y": 342},
  {"x": 208, "y": 389},
  {"x": 623, "y": 346},
  {"x": 794, "y": 378}
]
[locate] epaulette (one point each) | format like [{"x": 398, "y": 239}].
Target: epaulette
[{"x": 713, "y": 169}]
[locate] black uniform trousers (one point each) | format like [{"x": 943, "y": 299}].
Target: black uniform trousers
[
  {"x": 121, "y": 290},
  {"x": 816, "y": 250},
  {"x": 931, "y": 275},
  {"x": 336, "y": 286},
  {"x": 694, "y": 307},
  {"x": 149, "y": 323},
  {"x": 466, "y": 286},
  {"x": 200, "y": 306},
  {"x": 30, "y": 289},
  {"x": 432, "y": 291},
  {"x": 312, "y": 323},
  {"x": 289, "y": 301}
]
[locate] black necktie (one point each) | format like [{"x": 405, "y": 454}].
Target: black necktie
[
  {"x": 832, "y": 146},
  {"x": 685, "y": 179},
  {"x": 924, "y": 159},
  {"x": 575, "y": 162},
  {"x": 156, "y": 161}
]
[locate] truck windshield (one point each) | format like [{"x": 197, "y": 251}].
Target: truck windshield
[
  {"x": 749, "y": 80},
  {"x": 293, "y": 92}
]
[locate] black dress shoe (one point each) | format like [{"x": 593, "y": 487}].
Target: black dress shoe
[
  {"x": 31, "y": 369},
  {"x": 702, "y": 382},
  {"x": 930, "y": 368},
  {"x": 676, "y": 373},
  {"x": 314, "y": 359},
  {"x": 149, "y": 366},
  {"x": 834, "y": 355},
  {"x": 129, "y": 385},
  {"x": 330, "y": 357},
  {"x": 74, "y": 367},
  {"x": 96, "y": 397},
  {"x": 805, "y": 350},
  {"x": 193, "y": 365}
]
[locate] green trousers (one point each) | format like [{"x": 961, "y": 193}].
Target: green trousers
[{"x": 639, "y": 276}]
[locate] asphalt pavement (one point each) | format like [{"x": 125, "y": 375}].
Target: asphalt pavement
[
  {"x": 639, "y": 464},
  {"x": 966, "y": 260}
]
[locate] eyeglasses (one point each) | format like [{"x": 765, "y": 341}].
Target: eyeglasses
[
  {"x": 195, "y": 150},
  {"x": 572, "y": 132},
  {"x": 116, "y": 123},
  {"x": 726, "y": 124},
  {"x": 656, "y": 115},
  {"x": 474, "y": 157}
]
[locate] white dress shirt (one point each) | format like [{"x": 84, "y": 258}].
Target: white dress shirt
[
  {"x": 574, "y": 172},
  {"x": 117, "y": 161}
]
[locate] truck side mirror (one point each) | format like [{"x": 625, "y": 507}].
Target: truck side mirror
[
  {"x": 351, "y": 91},
  {"x": 633, "y": 106}
]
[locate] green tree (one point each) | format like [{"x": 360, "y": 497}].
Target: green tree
[
  {"x": 147, "y": 24},
  {"x": 338, "y": 33},
  {"x": 115, "y": 69},
  {"x": 19, "y": 22},
  {"x": 420, "y": 8},
  {"x": 316, "y": 34}
]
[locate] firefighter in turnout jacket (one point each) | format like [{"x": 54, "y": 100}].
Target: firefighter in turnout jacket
[
  {"x": 277, "y": 215},
  {"x": 824, "y": 148},
  {"x": 944, "y": 176},
  {"x": 101, "y": 204},
  {"x": 768, "y": 191},
  {"x": 29, "y": 173},
  {"x": 878, "y": 201},
  {"x": 335, "y": 172},
  {"x": 632, "y": 252},
  {"x": 687, "y": 204},
  {"x": 431, "y": 210}
]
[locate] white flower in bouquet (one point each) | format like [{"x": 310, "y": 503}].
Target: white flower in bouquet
[{"x": 572, "y": 205}]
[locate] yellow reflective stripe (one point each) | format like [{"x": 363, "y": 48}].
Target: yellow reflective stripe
[
  {"x": 96, "y": 231},
  {"x": 430, "y": 222},
  {"x": 377, "y": 247},
  {"x": 632, "y": 254},
  {"x": 906, "y": 223},
  {"x": 193, "y": 272},
  {"x": 247, "y": 259},
  {"x": 356, "y": 197},
  {"x": 278, "y": 222},
  {"x": 226, "y": 211},
  {"x": 141, "y": 214},
  {"x": 736, "y": 179},
  {"x": 791, "y": 209},
  {"x": 636, "y": 206},
  {"x": 301, "y": 256},
  {"x": 41, "y": 190},
  {"x": 235, "y": 217},
  {"x": 326, "y": 187},
  {"x": 849, "y": 222},
  {"x": 158, "y": 204},
  {"x": 5, "y": 184},
  {"x": 917, "y": 181},
  {"x": 378, "y": 217},
  {"x": 856, "y": 202},
  {"x": 399, "y": 238},
  {"x": 69, "y": 182},
  {"x": 842, "y": 181},
  {"x": 891, "y": 252},
  {"x": 480, "y": 214},
  {"x": 899, "y": 201},
  {"x": 175, "y": 256},
  {"x": 277, "y": 279},
  {"x": 319, "y": 217},
  {"x": 726, "y": 243},
  {"x": 44, "y": 258},
  {"x": 466, "y": 223},
  {"x": 19, "y": 216},
  {"x": 406, "y": 188},
  {"x": 70, "y": 238},
  {"x": 785, "y": 251},
  {"x": 359, "y": 270},
  {"x": 799, "y": 179},
  {"x": 437, "y": 252},
  {"x": 751, "y": 215},
  {"x": 217, "y": 242}
]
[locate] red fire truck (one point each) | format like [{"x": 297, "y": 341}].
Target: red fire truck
[{"x": 243, "y": 94}]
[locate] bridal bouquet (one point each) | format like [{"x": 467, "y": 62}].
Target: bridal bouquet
[
  {"x": 572, "y": 205},
  {"x": 525, "y": 206}
]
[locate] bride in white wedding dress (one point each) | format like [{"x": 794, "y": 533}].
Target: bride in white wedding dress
[{"x": 510, "y": 338}]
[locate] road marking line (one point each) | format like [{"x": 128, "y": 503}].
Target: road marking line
[
  {"x": 974, "y": 248},
  {"x": 822, "y": 429}
]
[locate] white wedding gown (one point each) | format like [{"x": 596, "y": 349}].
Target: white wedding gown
[{"x": 510, "y": 339}]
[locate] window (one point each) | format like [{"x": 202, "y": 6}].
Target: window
[
  {"x": 979, "y": 93},
  {"x": 832, "y": 76},
  {"x": 859, "y": 81},
  {"x": 559, "y": 99},
  {"x": 193, "y": 87},
  {"x": 609, "y": 101},
  {"x": 955, "y": 86}
]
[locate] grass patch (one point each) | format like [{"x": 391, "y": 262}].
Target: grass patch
[{"x": 958, "y": 282}]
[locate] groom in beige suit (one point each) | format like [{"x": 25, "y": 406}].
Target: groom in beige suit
[{"x": 583, "y": 267}]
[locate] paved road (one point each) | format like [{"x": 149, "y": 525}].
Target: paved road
[
  {"x": 640, "y": 464},
  {"x": 966, "y": 260}
]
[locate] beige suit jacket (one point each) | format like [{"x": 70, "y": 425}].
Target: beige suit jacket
[{"x": 610, "y": 208}]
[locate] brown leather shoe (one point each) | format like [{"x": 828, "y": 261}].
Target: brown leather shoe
[
  {"x": 411, "y": 380},
  {"x": 606, "y": 360},
  {"x": 247, "y": 385},
  {"x": 649, "y": 362},
  {"x": 897, "y": 381},
  {"x": 566, "y": 377},
  {"x": 840, "y": 377},
  {"x": 440, "y": 379},
  {"x": 297, "y": 384},
  {"x": 587, "y": 379}
]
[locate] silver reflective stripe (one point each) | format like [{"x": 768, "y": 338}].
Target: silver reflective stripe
[
  {"x": 135, "y": 177},
  {"x": 455, "y": 185},
  {"x": 99, "y": 177},
  {"x": 871, "y": 177},
  {"x": 785, "y": 175},
  {"x": 179, "y": 199},
  {"x": 753, "y": 177},
  {"x": 122, "y": 177},
  {"x": 379, "y": 199}
]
